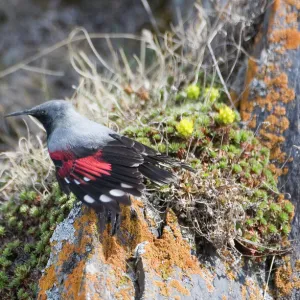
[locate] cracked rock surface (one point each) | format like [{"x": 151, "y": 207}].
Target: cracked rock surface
[{"x": 137, "y": 263}]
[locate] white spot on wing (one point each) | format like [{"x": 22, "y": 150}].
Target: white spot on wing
[
  {"x": 86, "y": 179},
  {"x": 117, "y": 193},
  {"x": 88, "y": 199},
  {"x": 67, "y": 181},
  {"x": 105, "y": 198},
  {"x": 135, "y": 165},
  {"x": 76, "y": 181},
  {"x": 126, "y": 186}
]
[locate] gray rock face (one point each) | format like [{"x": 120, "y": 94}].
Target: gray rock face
[
  {"x": 271, "y": 104},
  {"x": 136, "y": 264}
]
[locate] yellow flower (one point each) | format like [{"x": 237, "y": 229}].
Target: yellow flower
[
  {"x": 212, "y": 93},
  {"x": 193, "y": 91},
  {"x": 185, "y": 127},
  {"x": 226, "y": 115}
]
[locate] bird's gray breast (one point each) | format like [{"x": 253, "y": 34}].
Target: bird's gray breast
[{"x": 89, "y": 135}]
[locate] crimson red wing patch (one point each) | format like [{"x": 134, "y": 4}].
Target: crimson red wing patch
[{"x": 96, "y": 181}]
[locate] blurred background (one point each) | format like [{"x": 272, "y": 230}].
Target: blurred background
[{"x": 29, "y": 26}]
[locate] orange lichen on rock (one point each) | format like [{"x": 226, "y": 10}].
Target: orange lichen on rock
[
  {"x": 297, "y": 265},
  {"x": 47, "y": 281},
  {"x": 251, "y": 291},
  {"x": 166, "y": 288},
  {"x": 246, "y": 107},
  {"x": 163, "y": 287},
  {"x": 164, "y": 261},
  {"x": 291, "y": 17},
  {"x": 163, "y": 257},
  {"x": 179, "y": 287},
  {"x": 285, "y": 279},
  {"x": 254, "y": 292},
  {"x": 75, "y": 283},
  {"x": 74, "y": 287},
  {"x": 287, "y": 95},
  {"x": 290, "y": 38},
  {"x": 284, "y": 36},
  {"x": 294, "y": 3},
  {"x": 124, "y": 294},
  {"x": 76, "y": 259},
  {"x": 277, "y": 124},
  {"x": 279, "y": 110}
]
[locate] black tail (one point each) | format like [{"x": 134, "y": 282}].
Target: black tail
[
  {"x": 152, "y": 168},
  {"x": 153, "y": 164}
]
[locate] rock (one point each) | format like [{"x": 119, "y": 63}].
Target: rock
[
  {"x": 134, "y": 264},
  {"x": 270, "y": 106}
]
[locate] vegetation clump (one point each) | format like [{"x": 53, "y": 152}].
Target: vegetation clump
[
  {"x": 232, "y": 199},
  {"x": 26, "y": 226}
]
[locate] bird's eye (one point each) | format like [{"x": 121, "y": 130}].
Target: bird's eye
[{"x": 43, "y": 112}]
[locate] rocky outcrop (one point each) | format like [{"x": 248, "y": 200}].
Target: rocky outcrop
[
  {"x": 137, "y": 263},
  {"x": 270, "y": 106}
]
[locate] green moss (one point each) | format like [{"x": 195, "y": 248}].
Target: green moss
[
  {"x": 162, "y": 148},
  {"x": 284, "y": 217},
  {"x": 193, "y": 91},
  {"x": 157, "y": 137},
  {"x": 275, "y": 207},
  {"x": 263, "y": 221},
  {"x": 3, "y": 280},
  {"x": 34, "y": 211},
  {"x": 12, "y": 221},
  {"x": 24, "y": 209},
  {"x": 250, "y": 222},
  {"x": 286, "y": 229},
  {"x": 25, "y": 251},
  {"x": 256, "y": 168},
  {"x": 22, "y": 295},
  {"x": 272, "y": 228},
  {"x": 288, "y": 207},
  {"x": 22, "y": 271},
  {"x": 2, "y": 231},
  {"x": 237, "y": 168},
  {"x": 144, "y": 141}
]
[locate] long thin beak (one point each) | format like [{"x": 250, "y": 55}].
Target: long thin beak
[{"x": 19, "y": 113}]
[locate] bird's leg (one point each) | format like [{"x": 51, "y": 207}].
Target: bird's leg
[
  {"x": 115, "y": 224},
  {"x": 133, "y": 213},
  {"x": 101, "y": 221}
]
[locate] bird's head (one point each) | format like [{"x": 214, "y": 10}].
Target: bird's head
[{"x": 49, "y": 113}]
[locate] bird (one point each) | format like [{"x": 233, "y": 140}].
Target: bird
[{"x": 101, "y": 167}]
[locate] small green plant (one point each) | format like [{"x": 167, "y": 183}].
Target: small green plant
[
  {"x": 284, "y": 217},
  {"x": 286, "y": 229},
  {"x": 34, "y": 211},
  {"x": 237, "y": 168},
  {"x": 288, "y": 207},
  {"x": 185, "y": 127},
  {"x": 193, "y": 91},
  {"x": 2, "y": 231},
  {"x": 226, "y": 115},
  {"x": 213, "y": 94},
  {"x": 275, "y": 207},
  {"x": 3, "y": 280},
  {"x": 272, "y": 228}
]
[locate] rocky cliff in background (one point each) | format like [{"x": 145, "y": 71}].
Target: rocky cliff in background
[{"x": 270, "y": 106}]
